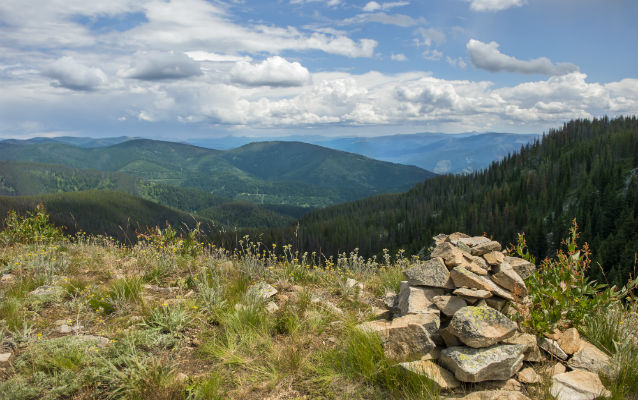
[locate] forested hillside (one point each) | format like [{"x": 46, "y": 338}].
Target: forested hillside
[
  {"x": 104, "y": 213},
  {"x": 288, "y": 173},
  {"x": 586, "y": 170}
]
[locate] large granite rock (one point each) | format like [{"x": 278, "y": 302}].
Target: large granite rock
[
  {"x": 449, "y": 305},
  {"x": 494, "y": 257},
  {"x": 497, "y": 362},
  {"x": 431, "y": 273},
  {"x": 591, "y": 359},
  {"x": 505, "y": 276},
  {"x": 494, "y": 395},
  {"x": 406, "y": 338},
  {"x": 439, "y": 375},
  {"x": 578, "y": 385},
  {"x": 485, "y": 248},
  {"x": 468, "y": 279},
  {"x": 451, "y": 255},
  {"x": 522, "y": 267},
  {"x": 532, "y": 352},
  {"x": 481, "y": 326},
  {"x": 417, "y": 300}
]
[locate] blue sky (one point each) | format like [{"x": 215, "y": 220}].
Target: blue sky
[{"x": 181, "y": 69}]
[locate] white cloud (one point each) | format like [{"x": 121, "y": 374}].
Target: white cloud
[
  {"x": 401, "y": 20},
  {"x": 215, "y": 57},
  {"x": 429, "y": 37},
  {"x": 273, "y": 71},
  {"x": 398, "y": 57},
  {"x": 456, "y": 62},
  {"x": 70, "y": 74},
  {"x": 494, "y": 5},
  {"x": 153, "y": 66},
  {"x": 432, "y": 54},
  {"x": 487, "y": 56},
  {"x": 374, "y": 6}
]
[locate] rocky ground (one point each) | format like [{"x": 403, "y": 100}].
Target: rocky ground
[{"x": 167, "y": 319}]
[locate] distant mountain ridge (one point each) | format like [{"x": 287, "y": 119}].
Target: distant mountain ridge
[
  {"x": 438, "y": 152},
  {"x": 289, "y": 173}
]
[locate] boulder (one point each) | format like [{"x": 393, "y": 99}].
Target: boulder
[
  {"x": 472, "y": 241},
  {"x": 591, "y": 359},
  {"x": 464, "y": 278},
  {"x": 552, "y": 347},
  {"x": 498, "y": 290},
  {"x": 405, "y": 338},
  {"x": 497, "y": 362},
  {"x": 505, "y": 276},
  {"x": 439, "y": 375},
  {"x": 451, "y": 255},
  {"x": 449, "y": 304},
  {"x": 569, "y": 341},
  {"x": 494, "y": 257},
  {"x": 417, "y": 300},
  {"x": 481, "y": 326},
  {"x": 431, "y": 273},
  {"x": 522, "y": 267},
  {"x": 485, "y": 247},
  {"x": 578, "y": 385},
  {"x": 532, "y": 352}
]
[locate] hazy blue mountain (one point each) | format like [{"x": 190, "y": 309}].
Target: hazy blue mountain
[
  {"x": 85, "y": 142},
  {"x": 437, "y": 152}
]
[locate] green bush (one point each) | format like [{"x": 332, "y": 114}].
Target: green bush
[
  {"x": 560, "y": 291},
  {"x": 34, "y": 227}
]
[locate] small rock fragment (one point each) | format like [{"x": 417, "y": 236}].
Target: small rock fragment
[
  {"x": 552, "y": 347},
  {"x": 528, "y": 375},
  {"x": 272, "y": 307},
  {"x": 263, "y": 290},
  {"x": 569, "y": 341},
  {"x": 451, "y": 255},
  {"x": 532, "y": 352}
]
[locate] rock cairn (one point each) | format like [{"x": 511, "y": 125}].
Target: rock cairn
[{"x": 451, "y": 322}]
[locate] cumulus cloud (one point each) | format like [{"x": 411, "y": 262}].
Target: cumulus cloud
[
  {"x": 374, "y": 6},
  {"x": 487, "y": 56},
  {"x": 494, "y": 5},
  {"x": 154, "y": 66},
  {"x": 70, "y": 74},
  {"x": 273, "y": 71}
]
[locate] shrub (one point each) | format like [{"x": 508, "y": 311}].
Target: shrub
[
  {"x": 34, "y": 227},
  {"x": 561, "y": 294}
]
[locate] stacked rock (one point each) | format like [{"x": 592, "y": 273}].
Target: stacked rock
[
  {"x": 450, "y": 307},
  {"x": 453, "y": 309}
]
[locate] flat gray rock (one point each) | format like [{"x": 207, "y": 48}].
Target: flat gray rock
[
  {"x": 431, "y": 273},
  {"x": 406, "y": 338},
  {"x": 497, "y": 362},
  {"x": 523, "y": 267},
  {"x": 578, "y": 385},
  {"x": 481, "y": 326},
  {"x": 505, "y": 276},
  {"x": 417, "y": 299},
  {"x": 468, "y": 279},
  {"x": 590, "y": 358},
  {"x": 449, "y": 304},
  {"x": 552, "y": 347}
]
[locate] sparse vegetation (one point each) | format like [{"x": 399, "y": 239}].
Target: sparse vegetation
[{"x": 172, "y": 318}]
